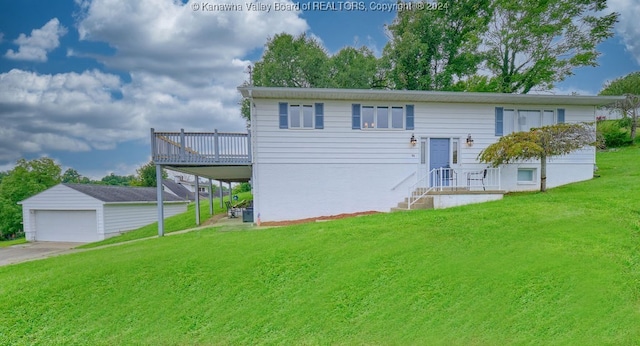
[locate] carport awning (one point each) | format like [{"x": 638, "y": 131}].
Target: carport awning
[{"x": 237, "y": 173}]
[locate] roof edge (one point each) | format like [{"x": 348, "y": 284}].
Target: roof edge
[{"x": 420, "y": 95}]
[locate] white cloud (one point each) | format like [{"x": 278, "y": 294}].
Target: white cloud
[
  {"x": 78, "y": 112},
  {"x": 41, "y": 42},
  {"x": 184, "y": 67},
  {"x": 171, "y": 39},
  {"x": 628, "y": 27}
]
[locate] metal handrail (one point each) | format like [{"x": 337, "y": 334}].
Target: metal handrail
[
  {"x": 413, "y": 198},
  {"x": 439, "y": 179}
]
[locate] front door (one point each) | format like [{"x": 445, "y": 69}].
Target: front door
[{"x": 439, "y": 158}]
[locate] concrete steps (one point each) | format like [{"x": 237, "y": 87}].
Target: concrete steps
[{"x": 425, "y": 202}]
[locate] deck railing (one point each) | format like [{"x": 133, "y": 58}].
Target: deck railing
[{"x": 197, "y": 148}]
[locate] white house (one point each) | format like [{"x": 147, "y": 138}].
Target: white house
[
  {"x": 316, "y": 152},
  {"x": 86, "y": 213}
]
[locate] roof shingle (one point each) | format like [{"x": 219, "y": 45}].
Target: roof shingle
[{"x": 111, "y": 193}]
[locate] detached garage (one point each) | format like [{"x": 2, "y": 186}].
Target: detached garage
[{"x": 86, "y": 213}]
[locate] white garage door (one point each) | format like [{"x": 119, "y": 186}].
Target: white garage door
[{"x": 66, "y": 225}]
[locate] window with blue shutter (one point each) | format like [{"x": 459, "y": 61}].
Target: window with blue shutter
[
  {"x": 319, "y": 109},
  {"x": 355, "y": 116},
  {"x": 499, "y": 121},
  {"x": 410, "y": 117},
  {"x": 284, "y": 115},
  {"x": 560, "y": 115}
]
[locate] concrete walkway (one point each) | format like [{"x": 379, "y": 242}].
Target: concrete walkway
[
  {"x": 33, "y": 251},
  {"x": 39, "y": 250}
]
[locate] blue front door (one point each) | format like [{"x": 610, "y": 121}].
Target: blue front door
[{"x": 439, "y": 158}]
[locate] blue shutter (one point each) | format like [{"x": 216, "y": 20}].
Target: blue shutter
[
  {"x": 355, "y": 116},
  {"x": 560, "y": 115},
  {"x": 319, "y": 115},
  {"x": 284, "y": 115},
  {"x": 499, "y": 121},
  {"x": 409, "y": 115}
]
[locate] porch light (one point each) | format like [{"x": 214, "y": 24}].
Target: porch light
[
  {"x": 469, "y": 140},
  {"x": 413, "y": 140}
]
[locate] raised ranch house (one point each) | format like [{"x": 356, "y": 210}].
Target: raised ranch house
[
  {"x": 317, "y": 152},
  {"x": 86, "y": 213}
]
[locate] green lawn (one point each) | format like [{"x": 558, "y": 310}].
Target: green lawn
[
  {"x": 7, "y": 243},
  {"x": 171, "y": 224},
  {"x": 561, "y": 267}
]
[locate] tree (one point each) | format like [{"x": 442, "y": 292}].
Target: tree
[
  {"x": 289, "y": 61},
  {"x": 629, "y": 86},
  {"x": 433, "y": 49},
  {"x": 71, "y": 176},
  {"x": 539, "y": 143},
  {"x": 537, "y": 43},
  {"x": 355, "y": 68},
  {"x": 146, "y": 175},
  {"x": 242, "y": 187},
  {"x": 26, "y": 179},
  {"x": 120, "y": 180}
]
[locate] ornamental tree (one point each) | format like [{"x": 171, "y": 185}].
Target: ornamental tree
[
  {"x": 629, "y": 86},
  {"x": 539, "y": 144}
]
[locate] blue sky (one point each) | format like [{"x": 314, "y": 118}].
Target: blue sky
[{"x": 83, "y": 81}]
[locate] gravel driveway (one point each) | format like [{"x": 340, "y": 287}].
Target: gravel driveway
[{"x": 35, "y": 250}]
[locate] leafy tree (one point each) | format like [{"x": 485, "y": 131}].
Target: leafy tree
[
  {"x": 121, "y": 180},
  {"x": 71, "y": 176},
  {"x": 146, "y": 175},
  {"x": 476, "y": 83},
  {"x": 292, "y": 62},
  {"x": 2, "y": 175},
  {"x": 242, "y": 187},
  {"x": 629, "y": 86},
  {"x": 26, "y": 179},
  {"x": 536, "y": 43},
  {"x": 355, "y": 68},
  {"x": 432, "y": 49},
  {"x": 539, "y": 143},
  {"x": 289, "y": 61}
]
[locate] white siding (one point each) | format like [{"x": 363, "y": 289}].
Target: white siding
[
  {"x": 297, "y": 191},
  {"x": 120, "y": 218},
  {"x": 336, "y": 143},
  {"x": 314, "y": 172},
  {"x": 59, "y": 197}
]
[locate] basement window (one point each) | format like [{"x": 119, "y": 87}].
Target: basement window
[{"x": 526, "y": 175}]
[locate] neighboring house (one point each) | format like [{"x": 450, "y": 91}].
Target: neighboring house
[
  {"x": 86, "y": 213},
  {"x": 315, "y": 152},
  {"x": 177, "y": 189},
  {"x": 190, "y": 185}
]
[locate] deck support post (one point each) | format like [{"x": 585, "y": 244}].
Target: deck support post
[
  {"x": 221, "y": 196},
  {"x": 159, "y": 200},
  {"x": 210, "y": 198},
  {"x": 197, "y": 196}
]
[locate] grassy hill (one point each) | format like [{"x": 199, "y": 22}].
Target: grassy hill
[{"x": 561, "y": 267}]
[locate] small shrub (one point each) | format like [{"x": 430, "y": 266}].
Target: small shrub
[{"x": 613, "y": 133}]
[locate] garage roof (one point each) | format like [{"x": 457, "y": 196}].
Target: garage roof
[{"x": 110, "y": 193}]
